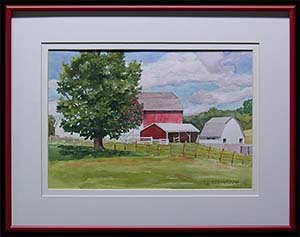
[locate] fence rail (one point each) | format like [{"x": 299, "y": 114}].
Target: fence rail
[
  {"x": 190, "y": 150},
  {"x": 245, "y": 149}
]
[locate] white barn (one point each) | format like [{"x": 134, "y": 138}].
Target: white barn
[{"x": 222, "y": 130}]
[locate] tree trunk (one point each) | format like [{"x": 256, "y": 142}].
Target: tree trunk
[{"x": 98, "y": 143}]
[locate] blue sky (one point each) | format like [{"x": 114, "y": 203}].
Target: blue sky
[
  {"x": 145, "y": 57},
  {"x": 201, "y": 79}
]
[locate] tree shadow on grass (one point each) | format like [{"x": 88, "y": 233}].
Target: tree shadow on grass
[{"x": 75, "y": 152}]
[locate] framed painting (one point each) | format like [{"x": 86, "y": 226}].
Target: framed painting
[{"x": 177, "y": 115}]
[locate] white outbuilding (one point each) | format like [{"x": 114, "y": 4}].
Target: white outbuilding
[
  {"x": 222, "y": 130},
  {"x": 60, "y": 132}
]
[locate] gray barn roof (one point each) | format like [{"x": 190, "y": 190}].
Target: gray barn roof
[
  {"x": 160, "y": 101},
  {"x": 214, "y": 127},
  {"x": 176, "y": 127}
]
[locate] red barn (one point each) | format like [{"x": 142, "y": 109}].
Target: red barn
[
  {"x": 160, "y": 107},
  {"x": 183, "y": 132}
]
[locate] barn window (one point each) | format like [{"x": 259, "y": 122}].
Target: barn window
[{"x": 224, "y": 140}]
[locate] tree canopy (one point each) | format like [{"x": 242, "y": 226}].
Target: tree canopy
[
  {"x": 246, "y": 108},
  {"x": 99, "y": 93}
]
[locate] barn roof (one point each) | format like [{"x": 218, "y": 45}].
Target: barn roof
[
  {"x": 176, "y": 127},
  {"x": 160, "y": 101},
  {"x": 214, "y": 127}
]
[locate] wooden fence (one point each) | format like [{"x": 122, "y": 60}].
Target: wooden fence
[{"x": 191, "y": 150}]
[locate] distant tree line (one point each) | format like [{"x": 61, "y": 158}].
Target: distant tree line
[
  {"x": 242, "y": 114},
  {"x": 51, "y": 128}
]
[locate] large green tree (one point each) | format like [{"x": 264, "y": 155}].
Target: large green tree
[{"x": 99, "y": 92}]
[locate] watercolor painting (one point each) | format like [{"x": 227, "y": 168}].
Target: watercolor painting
[{"x": 150, "y": 119}]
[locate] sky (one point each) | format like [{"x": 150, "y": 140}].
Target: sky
[{"x": 201, "y": 79}]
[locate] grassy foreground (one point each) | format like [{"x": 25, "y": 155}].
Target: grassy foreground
[{"x": 80, "y": 167}]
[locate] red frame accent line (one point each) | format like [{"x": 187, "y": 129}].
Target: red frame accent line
[
  {"x": 151, "y": 8},
  {"x": 147, "y": 228},
  {"x": 8, "y": 195},
  {"x": 293, "y": 118}
]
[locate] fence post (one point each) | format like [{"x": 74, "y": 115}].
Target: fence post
[
  {"x": 232, "y": 158},
  {"x": 147, "y": 147},
  {"x": 208, "y": 150},
  {"x": 115, "y": 146},
  {"x": 243, "y": 160},
  {"x": 125, "y": 146},
  {"x": 221, "y": 154},
  {"x": 183, "y": 148},
  {"x": 136, "y": 145},
  {"x": 195, "y": 155}
]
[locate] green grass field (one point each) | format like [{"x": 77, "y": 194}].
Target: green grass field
[
  {"x": 248, "y": 136},
  {"x": 179, "y": 166}
]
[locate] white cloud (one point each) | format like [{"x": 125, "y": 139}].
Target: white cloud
[
  {"x": 177, "y": 68},
  {"x": 213, "y": 61},
  {"x": 52, "y": 84},
  {"x": 220, "y": 96},
  {"x": 239, "y": 80},
  {"x": 196, "y": 109}
]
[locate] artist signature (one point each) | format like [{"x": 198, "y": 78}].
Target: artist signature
[{"x": 221, "y": 181}]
